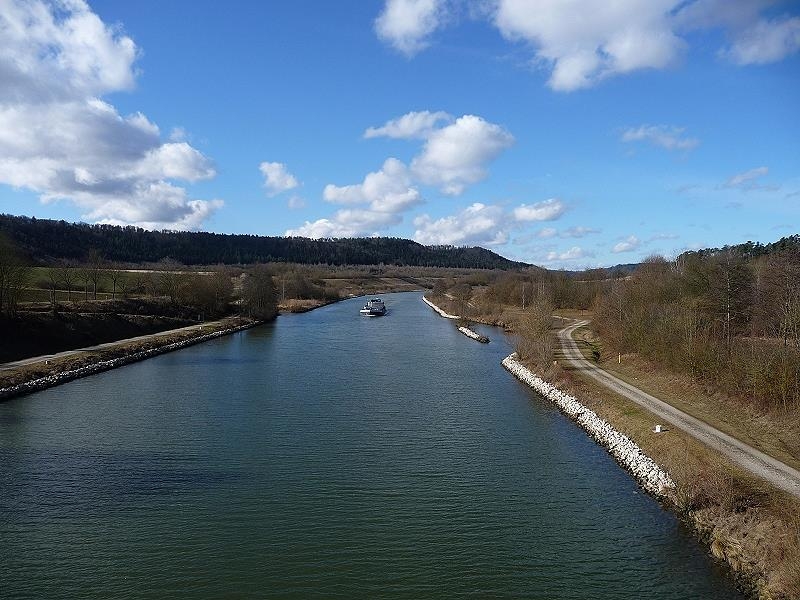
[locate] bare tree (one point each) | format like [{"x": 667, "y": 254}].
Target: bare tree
[
  {"x": 462, "y": 293},
  {"x": 258, "y": 293},
  {"x": 115, "y": 274},
  {"x": 69, "y": 276},
  {"x": 534, "y": 341},
  {"x": 14, "y": 274},
  {"x": 94, "y": 270},
  {"x": 171, "y": 279},
  {"x": 53, "y": 274}
]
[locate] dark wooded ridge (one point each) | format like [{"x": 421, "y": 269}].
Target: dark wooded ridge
[{"x": 46, "y": 240}]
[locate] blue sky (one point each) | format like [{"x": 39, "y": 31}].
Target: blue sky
[{"x": 564, "y": 133}]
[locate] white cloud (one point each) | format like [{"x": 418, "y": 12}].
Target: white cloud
[
  {"x": 663, "y": 236},
  {"x": 574, "y": 253},
  {"x": 388, "y": 190},
  {"x": 277, "y": 178},
  {"x": 747, "y": 179},
  {"x": 583, "y": 42},
  {"x": 753, "y": 38},
  {"x": 765, "y": 42},
  {"x": 296, "y": 203},
  {"x": 175, "y": 161},
  {"x": 478, "y": 224},
  {"x": 547, "y": 233},
  {"x": 588, "y": 40},
  {"x": 59, "y": 139},
  {"x": 629, "y": 244},
  {"x": 178, "y": 134},
  {"x": 578, "y": 232},
  {"x": 347, "y": 223},
  {"x": 453, "y": 157},
  {"x": 665, "y": 136},
  {"x": 547, "y": 210},
  {"x": 456, "y": 155},
  {"x": 406, "y": 24},
  {"x": 413, "y": 125}
]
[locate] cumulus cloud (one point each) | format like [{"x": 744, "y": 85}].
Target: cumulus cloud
[
  {"x": 582, "y": 42},
  {"x": 629, "y": 244},
  {"x": 664, "y": 136},
  {"x": 296, "y": 203},
  {"x": 752, "y": 37},
  {"x": 387, "y": 193},
  {"x": 587, "y": 41},
  {"x": 547, "y": 210},
  {"x": 59, "y": 139},
  {"x": 765, "y": 42},
  {"x": 413, "y": 125},
  {"x": 547, "y": 233},
  {"x": 347, "y": 223},
  {"x": 574, "y": 253},
  {"x": 406, "y": 24},
  {"x": 456, "y": 155},
  {"x": 453, "y": 156},
  {"x": 478, "y": 224},
  {"x": 386, "y": 190},
  {"x": 277, "y": 178}
]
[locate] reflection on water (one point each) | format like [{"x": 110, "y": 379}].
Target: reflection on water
[{"x": 326, "y": 455}]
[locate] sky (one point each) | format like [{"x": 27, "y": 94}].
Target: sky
[{"x": 565, "y": 133}]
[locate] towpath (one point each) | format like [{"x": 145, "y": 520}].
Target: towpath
[
  {"x": 47, "y": 357},
  {"x": 754, "y": 461}
]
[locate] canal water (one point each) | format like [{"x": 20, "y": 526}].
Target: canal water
[{"x": 327, "y": 455}]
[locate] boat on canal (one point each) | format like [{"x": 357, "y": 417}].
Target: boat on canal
[{"x": 374, "y": 308}]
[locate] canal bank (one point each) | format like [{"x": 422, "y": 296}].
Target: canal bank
[
  {"x": 33, "y": 377},
  {"x": 262, "y": 462},
  {"x": 752, "y": 528}
]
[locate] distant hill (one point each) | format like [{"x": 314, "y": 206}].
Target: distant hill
[
  {"x": 752, "y": 249},
  {"x": 46, "y": 240}
]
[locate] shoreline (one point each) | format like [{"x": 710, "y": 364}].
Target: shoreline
[
  {"x": 647, "y": 473},
  {"x": 473, "y": 335},
  {"x": 101, "y": 365},
  {"x": 57, "y": 377},
  {"x": 439, "y": 310}
]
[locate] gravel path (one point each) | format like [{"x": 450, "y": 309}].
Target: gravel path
[
  {"x": 747, "y": 457},
  {"x": 46, "y": 357}
]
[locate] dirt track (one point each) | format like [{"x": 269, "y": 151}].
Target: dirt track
[
  {"x": 747, "y": 457},
  {"x": 48, "y": 357}
]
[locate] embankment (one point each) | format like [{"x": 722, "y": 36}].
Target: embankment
[
  {"x": 647, "y": 473},
  {"x": 473, "y": 335},
  {"x": 58, "y": 376},
  {"x": 439, "y": 310}
]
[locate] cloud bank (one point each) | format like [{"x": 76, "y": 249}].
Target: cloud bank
[
  {"x": 583, "y": 42},
  {"x": 61, "y": 140},
  {"x": 455, "y": 154}
]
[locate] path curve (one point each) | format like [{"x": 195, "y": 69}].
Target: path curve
[{"x": 752, "y": 460}]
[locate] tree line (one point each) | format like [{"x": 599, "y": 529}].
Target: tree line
[
  {"x": 728, "y": 316},
  {"x": 45, "y": 240},
  {"x": 210, "y": 293}
]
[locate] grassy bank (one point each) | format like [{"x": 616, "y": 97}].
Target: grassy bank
[
  {"x": 81, "y": 362},
  {"x": 746, "y": 523},
  {"x": 749, "y": 525}
]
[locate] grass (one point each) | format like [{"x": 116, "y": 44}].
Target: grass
[
  {"x": 40, "y": 369},
  {"x": 749, "y": 525},
  {"x": 775, "y": 435}
]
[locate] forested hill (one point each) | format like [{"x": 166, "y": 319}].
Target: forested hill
[
  {"x": 45, "y": 240},
  {"x": 752, "y": 249}
]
